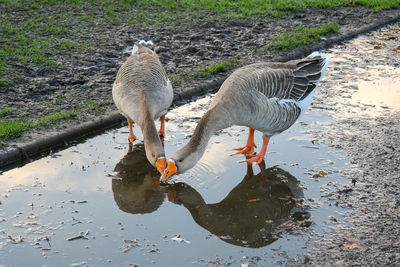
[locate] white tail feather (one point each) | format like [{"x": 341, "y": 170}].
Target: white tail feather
[
  {"x": 306, "y": 102},
  {"x": 142, "y": 42}
]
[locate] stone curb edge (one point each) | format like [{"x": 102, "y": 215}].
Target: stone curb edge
[{"x": 115, "y": 119}]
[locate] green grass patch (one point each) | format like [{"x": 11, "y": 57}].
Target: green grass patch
[
  {"x": 53, "y": 118},
  {"x": 254, "y": 8},
  {"x": 224, "y": 66},
  {"x": 204, "y": 71},
  {"x": 10, "y": 129},
  {"x": 301, "y": 36},
  {"x": 13, "y": 129},
  {"x": 4, "y": 112},
  {"x": 96, "y": 105}
]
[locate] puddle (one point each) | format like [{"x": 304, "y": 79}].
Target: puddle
[
  {"x": 365, "y": 73},
  {"x": 100, "y": 203},
  {"x": 383, "y": 92}
]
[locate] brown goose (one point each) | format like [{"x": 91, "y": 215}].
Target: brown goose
[
  {"x": 268, "y": 97},
  {"x": 142, "y": 92}
]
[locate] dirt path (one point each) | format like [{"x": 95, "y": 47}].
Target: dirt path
[{"x": 367, "y": 128}]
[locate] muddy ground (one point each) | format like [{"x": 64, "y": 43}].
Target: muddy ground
[
  {"x": 84, "y": 81},
  {"x": 368, "y": 132},
  {"x": 374, "y": 149}
]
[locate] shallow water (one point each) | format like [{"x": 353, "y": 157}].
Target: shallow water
[{"x": 100, "y": 203}]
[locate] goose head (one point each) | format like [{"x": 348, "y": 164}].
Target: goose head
[
  {"x": 171, "y": 170},
  {"x": 155, "y": 155},
  {"x": 161, "y": 163},
  {"x": 180, "y": 162},
  {"x": 157, "y": 160}
]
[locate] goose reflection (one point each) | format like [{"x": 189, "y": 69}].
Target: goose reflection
[
  {"x": 136, "y": 188},
  {"x": 252, "y": 214}
]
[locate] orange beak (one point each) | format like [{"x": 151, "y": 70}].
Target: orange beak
[
  {"x": 170, "y": 171},
  {"x": 161, "y": 164}
]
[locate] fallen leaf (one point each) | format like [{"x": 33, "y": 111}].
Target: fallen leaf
[
  {"x": 253, "y": 200},
  {"x": 350, "y": 244},
  {"x": 320, "y": 174},
  {"x": 364, "y": 210}
]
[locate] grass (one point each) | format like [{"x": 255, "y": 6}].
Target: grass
[
  {"x": 53, "y": 118},
  {"x": 10, "y": 129},
  {"x": 252, "y": 8},
  {"x": 224, "y": 66},
  {"x": 301, "y": 36},
  {"x": 204, "y": 71},
  {"x": 4, "y": 112},
  {"x": 95, "y": 105}
]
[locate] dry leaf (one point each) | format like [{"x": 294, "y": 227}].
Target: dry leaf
[
  {"x": 350, "y": 244},
  {"x": 320, "y": 174},
  {"x": 364, "y": 210}
]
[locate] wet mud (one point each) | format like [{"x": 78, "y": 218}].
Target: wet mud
[{"x": 365, "y": 82}]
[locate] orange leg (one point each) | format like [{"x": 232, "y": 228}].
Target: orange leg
[
  {"x": 131, "y": 137},
  {"x": 161, "y": 132},
  {"x": 250, "y": 145},
  {"x": 258, "y": 158}
]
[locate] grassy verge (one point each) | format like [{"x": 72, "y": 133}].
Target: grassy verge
[
  {"x": 204, "y": 71},
  {"x": 301, "y": 36},
  {"x": 10, "y": 129},
  {"x": 53, "y": 118},
  {"x": 38, "y": 34},
  {"x": 96, "y": 105},
  {"x": 4, "y": 112},
  {"x": 223, "y": 66}
]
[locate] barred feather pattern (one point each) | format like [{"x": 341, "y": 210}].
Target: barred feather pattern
[
  {"x": 142, "y": 80},
  {"x": 293, "y": 80},
  {"x": 142, "y": 71}
]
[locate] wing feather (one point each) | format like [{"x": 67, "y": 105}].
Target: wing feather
[{"x": 294, "y": 80}]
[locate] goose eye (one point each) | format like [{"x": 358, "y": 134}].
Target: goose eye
[{"x": 180, "y": 160}]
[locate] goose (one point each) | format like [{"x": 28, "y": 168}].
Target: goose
[
  {"x": 268, "y": 97},
  {"x": 143, "y": 93}
]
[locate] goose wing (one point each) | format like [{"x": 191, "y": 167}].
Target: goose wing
[
  {"x": 142, "y": 70},
  {"x": 142, "y": 79},
  {"x": 293, "y": 80}
]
